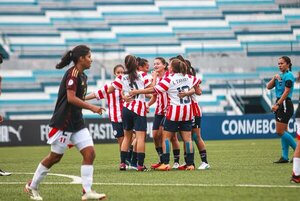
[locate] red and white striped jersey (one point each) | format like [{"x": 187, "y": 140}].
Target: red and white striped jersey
[
  {"x": 138, "y": 105},
  {"x": 161, "y": 99},
  {"x": 196, "y": 107},
  {"x": 114, "y": 101},
  {"x": 179, "y": 109}
]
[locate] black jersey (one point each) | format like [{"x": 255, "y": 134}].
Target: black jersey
[{"x": 66, "y": 116}]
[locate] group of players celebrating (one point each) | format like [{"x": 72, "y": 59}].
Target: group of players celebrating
[{"x": 173, "y": 86}]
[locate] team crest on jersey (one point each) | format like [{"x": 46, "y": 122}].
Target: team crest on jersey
[{"x": 70, "y": 83}]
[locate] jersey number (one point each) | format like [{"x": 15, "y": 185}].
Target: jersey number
[
  {"x": 186, "y": 99},
  {"x": 134, "y": 86}
]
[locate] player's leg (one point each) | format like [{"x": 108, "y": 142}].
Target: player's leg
[
  {"x": 84, "y": 143},
  {"x": 59, "y": 141}
]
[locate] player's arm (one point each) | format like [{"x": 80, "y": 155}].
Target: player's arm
[
  {"x": 285, "y": 94},
  {"x": 271, "y": 83},
  {"x": 74, "y": 100},
  {"x": 90, "y": 96},
  {"x": 182, "y": 94},
  {"x": 148, "y": 90}
]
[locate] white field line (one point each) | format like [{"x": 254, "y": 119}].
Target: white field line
[
  {"x": 77, "y": 180},
  {"x": 162, "y": 185}
]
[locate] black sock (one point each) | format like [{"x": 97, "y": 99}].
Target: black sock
[
  {"x": 141, "y": 158},
  {"x": 129, "y": 155},
  {"x": 123, "y": 155},
  {"x": 203, "y": 156},
  {"x": 159, "y": 153},
  {"x": 166, "y": 158},
  {"x": 134, "y": 159},
  {"x": 176, "y": 153},
  {"x": 185, "y": 157},
  {"x": 190, "y": 159}
]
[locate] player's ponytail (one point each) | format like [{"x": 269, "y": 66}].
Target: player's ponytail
[
  {"x": 73, "y": 55},
  {"x": 131, "y": 67},
  {"x": 178, "y": 66}
]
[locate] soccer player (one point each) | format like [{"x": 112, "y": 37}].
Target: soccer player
[
  {"x": 196, "y": 131},
  {"x": 179, "y": 113},
  {"x": 283, "y": 107},
  {"x": 115, "y": 105},
  {"x": 2, "y": 172},
  {"x": 68, "y": 125},
  {"x": 134, "y": 112},
  {"x": 296, "y": 160},
  {"x": 161, "y": 99}
]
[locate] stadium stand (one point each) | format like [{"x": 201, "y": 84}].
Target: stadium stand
[{"x": 232, "y": 43}]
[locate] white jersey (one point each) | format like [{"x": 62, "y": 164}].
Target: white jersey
[
  {"x": 114, "y": 101},
  {"x": 138, "y": 104},
  {"x": 179, "y": 109}
]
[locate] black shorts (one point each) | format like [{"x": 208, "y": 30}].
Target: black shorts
[
  {"x": 117, "y": 129},
  {"x": 175, "y": 126},
  {"x": 285, "y": 111},
  {"x": 158, "y": 121},
  {"x": 298, "y": 111},
  {"x": 134, "y": 121},
  {"x": 196, "y": 123}
]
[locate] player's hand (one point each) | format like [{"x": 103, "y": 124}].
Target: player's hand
[
  {"x": 181, "y": 94},
  {"x": 1, "y": 118},
  {"x": 277, "y": 77},
  {"x": 127, "y": 98},
  {"x": 133, "y": 92},
  {"x": 97, "y": 109}
]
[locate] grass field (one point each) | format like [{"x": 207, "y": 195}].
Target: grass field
[{"x": 241, "y": 170}]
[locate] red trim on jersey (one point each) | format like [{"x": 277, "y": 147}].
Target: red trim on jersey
[
  {"x": 184, "y": 113},
  {"x": 177, "y": 112},
  {"x": 52, "y": 132},
  {"x": 117, "y": 84},
  {"x": 139, "y": 107}
]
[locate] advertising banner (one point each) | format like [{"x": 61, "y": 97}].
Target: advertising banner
[{"x": 35, "y": 132}]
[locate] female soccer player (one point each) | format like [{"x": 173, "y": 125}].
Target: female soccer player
[
  {"x": 296, "y": 160},
  {"x": 134, "y": 112},
  {"x": 179, "y": 113},
  {"x": 161, "y": 99},
  {"x": 196, "y": 131},
  {"x": 283, "y": 107},
  {"x": 68, "y": 125},
  {"x": 115, "y": 105}
]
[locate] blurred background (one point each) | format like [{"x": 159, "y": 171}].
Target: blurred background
[{"x": 233, "y": 44}]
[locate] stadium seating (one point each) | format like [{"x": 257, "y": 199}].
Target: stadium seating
[
  {"x": 45, "y": 29},
  {"x": 245, "y": 26}
]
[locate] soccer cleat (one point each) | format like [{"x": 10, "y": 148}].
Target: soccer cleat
[
  {"x": 122, "y": 166},
  {"x": 155, "y": 165},
  {"x": 190, "y": 167},
  {"x": 164, "y": 167},
  {"x": 204, "y": 166},
  {"x": 93, "y": 195},
  {"x": 133, "y": 167},
  {"x": 182, "y": 167},
  {"x": 142, "y": 168},
  {"x": 175, "y": 166},
  {"x": 33, "y": 193},
  {"x": 281, "y": 160},
  {"x": 3, "y": 173},
  {"x": 295, "y": 179}
]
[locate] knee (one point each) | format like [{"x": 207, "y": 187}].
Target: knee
[{"x": 90, "y": 156}]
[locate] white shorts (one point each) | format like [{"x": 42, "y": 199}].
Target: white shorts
[
  {"x": 297, "y": 122},
  {"x": 61, "y": 139}
]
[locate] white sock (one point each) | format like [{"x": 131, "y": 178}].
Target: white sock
[
  {"x": 40, "y": 173},
  {"x": 87, "y": 172},
  {"x": 296, "y": 166}
]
